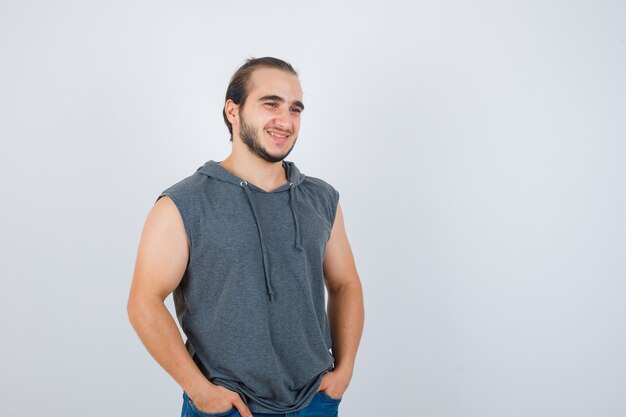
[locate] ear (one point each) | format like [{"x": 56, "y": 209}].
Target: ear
[{"x": 232, "y": 112}]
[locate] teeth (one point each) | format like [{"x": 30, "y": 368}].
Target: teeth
[{"x": 276, "y": 135}]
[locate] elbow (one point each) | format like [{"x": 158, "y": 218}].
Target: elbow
[
  {"x": 142, "y": 307},
  {"x": 135, "y": 309},
  {"x": 132, "y": 309},
  {"x": 348, "y": 285}
]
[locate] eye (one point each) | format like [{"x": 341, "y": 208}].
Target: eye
[
  {"x": 296, "y": 110},
  {"x": 271, "y": 104}
]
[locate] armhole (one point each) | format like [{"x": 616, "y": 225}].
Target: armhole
[
  {"x": 334, "y": 205},
  {"x": 183, "y": 216}
]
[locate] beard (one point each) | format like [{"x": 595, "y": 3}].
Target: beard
[{"x": 249, "y": 136}]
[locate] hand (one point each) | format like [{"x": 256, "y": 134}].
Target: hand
[
  {"x": 335, "y": 383},
  {"x": 218, "y": 399}
]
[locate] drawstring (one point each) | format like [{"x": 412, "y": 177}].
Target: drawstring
[
  {"x": 244, "y": 184},
  {"x": 297, "y": 244},
  {"x": 295, "y": 217}
]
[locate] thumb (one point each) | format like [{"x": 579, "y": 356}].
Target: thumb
[{"x": 242, "y": 408}]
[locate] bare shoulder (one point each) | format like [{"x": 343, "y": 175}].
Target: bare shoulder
[{"x": 164, "y": 210}]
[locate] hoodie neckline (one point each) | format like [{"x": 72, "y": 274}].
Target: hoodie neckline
[{"x": 214, "y": 169}]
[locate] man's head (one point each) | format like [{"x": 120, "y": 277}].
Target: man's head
[{"x": 263, "y": 105}]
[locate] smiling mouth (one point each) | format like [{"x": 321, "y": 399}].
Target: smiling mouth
[{"x": 280, "y": 137}]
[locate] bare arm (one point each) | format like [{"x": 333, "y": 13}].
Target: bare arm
[
  {"x": 161, "y": 262},
  {"x": 346, "y": 311}
]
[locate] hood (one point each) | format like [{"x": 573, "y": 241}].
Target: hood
[{"x": 214, "y": 170}]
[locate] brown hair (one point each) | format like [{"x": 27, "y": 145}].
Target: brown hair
[{"x": 237, "y": 90}]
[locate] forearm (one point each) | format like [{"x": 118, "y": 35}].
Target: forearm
[
  {"x": 157, "y": 329},
  {"x": 346, "y": 315}
]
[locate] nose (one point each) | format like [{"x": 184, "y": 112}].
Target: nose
[{"x": 283, "y": 119}]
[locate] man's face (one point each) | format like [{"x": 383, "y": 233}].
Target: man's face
[{"x": 269, "y": 121}]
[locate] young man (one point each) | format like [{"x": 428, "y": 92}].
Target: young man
[{"x": 246, "y": 245}]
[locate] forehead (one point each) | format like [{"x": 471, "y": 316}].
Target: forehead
[{"x": 272, "y": 81}]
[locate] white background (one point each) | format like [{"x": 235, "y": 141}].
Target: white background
[{"x": 479, "y": 149}]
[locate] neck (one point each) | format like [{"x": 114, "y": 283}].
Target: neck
[{"x": 263, "y": 174}]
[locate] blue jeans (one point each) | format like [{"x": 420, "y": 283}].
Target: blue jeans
[{"x": 322, "y": 405}]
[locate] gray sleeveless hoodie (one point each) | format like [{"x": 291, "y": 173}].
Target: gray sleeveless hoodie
[{"x": 251, "y": 301}]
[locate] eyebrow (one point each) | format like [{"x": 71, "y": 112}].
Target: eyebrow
[{"x": 296, "y": 103}]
